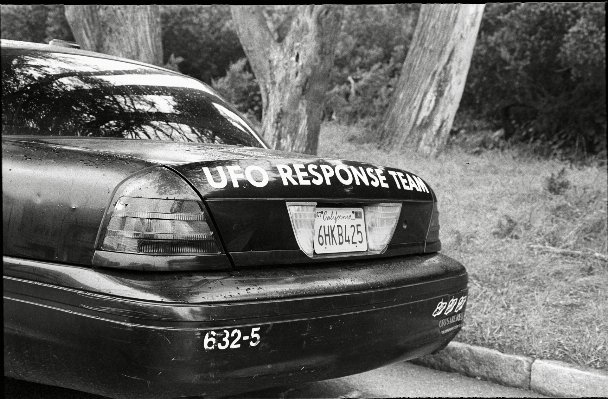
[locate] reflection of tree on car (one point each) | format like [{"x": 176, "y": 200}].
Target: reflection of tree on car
[{"x": 106, "y": 100}]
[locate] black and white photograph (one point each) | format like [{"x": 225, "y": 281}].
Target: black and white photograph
[{"x": 304, "y": 201}]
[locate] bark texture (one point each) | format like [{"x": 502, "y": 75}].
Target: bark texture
[
  {"x": 432, "y": 78},
  {"x": 130, "y": 31},
  {"x": 292, "y": 70}
]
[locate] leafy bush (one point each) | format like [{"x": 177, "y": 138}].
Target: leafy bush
[
  {"x": 371, "y": 48},
  {"x": 203, "y": 36},
  {"x": 37, "y": 23},
  {"x": 241, "y": 89},
  {"x": 538, "y": 70},
  {"x": 366, "y": 93}
]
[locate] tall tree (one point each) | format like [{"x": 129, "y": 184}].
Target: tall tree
[
  {"x": 130, "y": 31},
  {"x": 432, "y": 78},
  {"x": 292, "y": 64}
]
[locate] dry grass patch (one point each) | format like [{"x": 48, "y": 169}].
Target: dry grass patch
[{"x": 532, "y": 234}]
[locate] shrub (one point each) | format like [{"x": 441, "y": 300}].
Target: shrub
[
  {"x": 36, "y": 23},
  {"x": 203, "y": 36},
  {"x": 538, "y": 70},
  {"x": 366, "y": 93},
  {"x": 371, "y": 48},
  {"x": 241, "y": 89}
]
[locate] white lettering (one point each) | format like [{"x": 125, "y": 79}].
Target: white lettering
[
  {"x": 286, "y": 174},
  {"x": 455, "y": 304},
  {"x": 248, "y": 173},
  {"x": 318, "y": 180},
  {"x": 451, "y": 305},
  {"x": 413, "y": 184},
  {"x": 421, "y": 184},
  {"x": 461, "y": 303},
  {"x": 302, "y": 175},
  {"x": 306, "y": 175},
  {"x": 451, "y": 320},
  {"x": 394, "y": 174},
  {"x": 439, "y": 309},
  {"x": 403, "y": 181},
  {"x": 223, "y": 181},
  {"x": 372, "y": 176},
  {"x": 327, "y": 172},
  {"x": 344, "y": 181},
  {"x": 382, "y": 178},
  {"x": 359, "y": 174},
  {"x": 232, "y": 170}
]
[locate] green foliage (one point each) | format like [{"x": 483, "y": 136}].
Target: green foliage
[
  {"x": 539, "y": 71},
  {"x": 173, "y": 62},
  {"x": 57, "y": 26},
  {"x": 37, "y": 23},
  {"x": 366, "y": 93},
  {"x": 241, "y": 89},
  {"x": 203, "y": 36},
  {"x": 371, "y": 48}
]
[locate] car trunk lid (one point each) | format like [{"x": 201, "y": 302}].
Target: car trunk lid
[
  {"x": 249, "y": 200},
  {"x": 247, "y": 191}
]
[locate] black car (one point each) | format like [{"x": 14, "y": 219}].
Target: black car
[{"x": 153, "y": 246}]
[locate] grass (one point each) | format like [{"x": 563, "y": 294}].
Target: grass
[{"x": 532, "y": 234}]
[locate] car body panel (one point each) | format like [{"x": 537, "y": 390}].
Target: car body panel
[
  {"x": 135, "y": 337},
  {"x": 53, "y": 213},
  {"x": 51, "y": 209}
]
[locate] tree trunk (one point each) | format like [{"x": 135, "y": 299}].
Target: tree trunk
[
  {"x": 292, "y": 71},
  {"x": 432, "y": 78},
  {"x": 130, "y": 31}
]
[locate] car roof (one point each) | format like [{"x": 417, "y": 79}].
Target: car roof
[{"x": 29, "y": 46}]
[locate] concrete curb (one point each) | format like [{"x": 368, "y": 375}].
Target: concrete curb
[{"x": 546, "y": 377}]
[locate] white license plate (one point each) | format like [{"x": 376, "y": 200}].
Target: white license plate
[{"x": 340, "y": 230}]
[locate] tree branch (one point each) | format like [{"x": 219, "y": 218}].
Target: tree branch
[{"x": 252, "y": 29}]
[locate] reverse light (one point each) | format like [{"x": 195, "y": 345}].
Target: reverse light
[
  {"x": 381, "y": 220},
  {"x": 156, "y": 221},
  {"x": 302, "y": 216},
  {"x": 433, "y": 234},
  {"x": 433, "y": 244}
]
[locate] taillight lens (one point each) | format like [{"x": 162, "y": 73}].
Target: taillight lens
[
  {"x": 158, "y": 226},
  {"x": 302, "y": 216},
  {"x": 433, "y": 233},
  {"x": 159, "y": 218},
  {"x": 381, "y": 220}
]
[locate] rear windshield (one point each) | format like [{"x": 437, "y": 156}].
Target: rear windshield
[{"x": 58, "y": 94}]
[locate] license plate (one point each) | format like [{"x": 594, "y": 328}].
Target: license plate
[{"x": 340, "y": 230}]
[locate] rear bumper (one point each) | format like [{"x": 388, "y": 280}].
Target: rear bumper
[{"x": 151, "y": 335}]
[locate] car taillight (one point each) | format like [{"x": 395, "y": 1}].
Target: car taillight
[
  {"x": 380, "y": 222},
  {"x": 432, "y": 235},
  {"x": 158, "y": 226},
  {"x": 156, "y": 221},
  {"x": 302, "y": 216}
]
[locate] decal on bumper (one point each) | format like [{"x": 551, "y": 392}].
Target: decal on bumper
[{"x": 455, "y": 307}]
